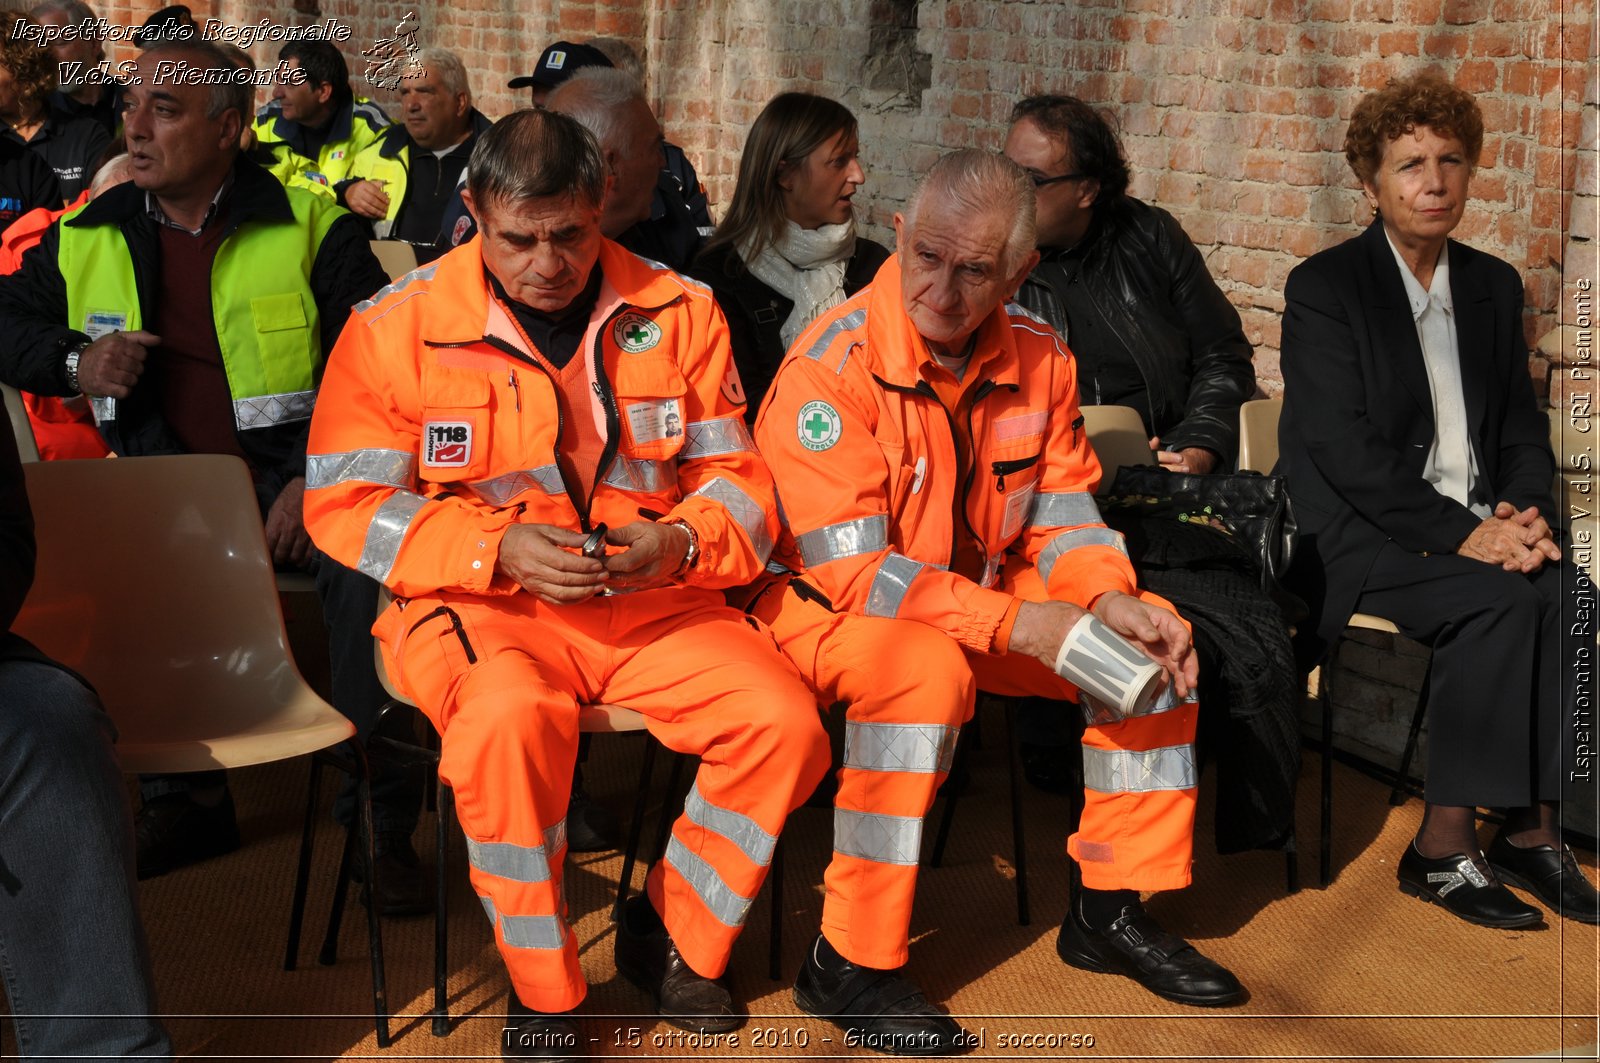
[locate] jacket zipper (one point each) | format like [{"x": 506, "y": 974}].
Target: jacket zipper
[
  {"x": 608, "y": 402},
  {"x": 1002, "y": 469}
]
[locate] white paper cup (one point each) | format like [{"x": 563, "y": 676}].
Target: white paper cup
[{"x": 1109, "y": 669}]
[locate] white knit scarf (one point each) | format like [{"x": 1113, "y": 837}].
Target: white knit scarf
[{"x": 805, "y": 266}]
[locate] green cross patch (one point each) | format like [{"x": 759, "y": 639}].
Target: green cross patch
[
  {"x": 819, "y": 425},
  {"x": 635, "y": 333}
]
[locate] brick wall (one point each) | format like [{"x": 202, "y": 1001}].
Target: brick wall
[{"x": 1232, "y": 110}]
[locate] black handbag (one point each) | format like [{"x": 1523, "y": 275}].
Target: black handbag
[{"x": 1250, "y": 509}]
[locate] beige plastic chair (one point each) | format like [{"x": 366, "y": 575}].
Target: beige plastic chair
[
  {"x": 1258, "y": 435},
  {"x": 1118, "y": 438},
  {"x": 21, "y": 427},
  {"x": 153, "y": 581},
  {"x": 395, "y": 256}
]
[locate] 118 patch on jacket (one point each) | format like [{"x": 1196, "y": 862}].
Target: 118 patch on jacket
[{"x": 447, "y": 444}]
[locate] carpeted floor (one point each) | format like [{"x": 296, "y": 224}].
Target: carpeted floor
[{"x": 1357, "y": 971}]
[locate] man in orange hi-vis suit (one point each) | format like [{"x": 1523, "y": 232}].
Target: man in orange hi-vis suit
[
  {"x": 937, "y": 491},
  {"x": 487, "y": 427}
]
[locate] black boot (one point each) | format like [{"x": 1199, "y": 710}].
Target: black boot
[{"x": 878, "y": 1009}]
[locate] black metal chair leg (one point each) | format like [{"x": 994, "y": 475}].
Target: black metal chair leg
[
  {"x": 380, "y": 1001},
  {"x": 1291, "y": 864},
  {"x": 441, "y": 912},
  {"x": 1325, "y": 698},
  {"x": 302, "y": 875},
  {"x": 630, "y": 855},
  {"x": 958, "y": 763},
  {"x": 668, "y": 805},
  {"x": 341, "y": 885},
  {"x": 1402, "y": 778},
  {"x": 775, "y": 926},
  {"x": 1019, "y": 845}
]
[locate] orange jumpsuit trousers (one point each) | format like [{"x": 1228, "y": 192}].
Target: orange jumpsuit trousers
[
  {"x": 908, "y": 688},
  {"x": 502, "y": 679}
]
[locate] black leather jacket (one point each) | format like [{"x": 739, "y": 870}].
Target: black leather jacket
[{"x": 1168, "y": 317}]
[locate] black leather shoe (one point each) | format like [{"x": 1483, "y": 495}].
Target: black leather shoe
[
  {"x": 646, "y": 956},
  {"x": 530, "y": 1034},
  {"x": 878, "y": 1009},
  {"x": 1464, "y": 887},
  {"x": 1135, "y": 945},
  {"x": 1551, "y": 876},
  {"x": 591, "y": 827},
  {"x": 403, "y": 888},
  {"x": 173, "y": 830}
]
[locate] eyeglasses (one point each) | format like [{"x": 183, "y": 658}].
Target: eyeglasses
[{"x": 1040, "y": 182}]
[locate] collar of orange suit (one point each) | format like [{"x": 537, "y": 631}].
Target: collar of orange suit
[
  {"x": 897, "y": 352},
  {"x": 457, "y": 310}
]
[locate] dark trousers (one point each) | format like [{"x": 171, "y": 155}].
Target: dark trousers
[
  {"x": 349, "y": 605},
  {"x": 1506, "y": 657}
]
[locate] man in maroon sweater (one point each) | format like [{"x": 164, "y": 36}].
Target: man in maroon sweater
[{"x": 195, "y": 306}]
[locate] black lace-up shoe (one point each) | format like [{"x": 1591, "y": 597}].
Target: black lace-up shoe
[
  {"x": 647, "y": 957},
  {"x": 174, "y": 830},
  {"x": 1551, "y": 876},
  {"x": 877, "y": 1009},
  {"x": 530, "y": 1034},
  {"x": 1135, "y": 945}
]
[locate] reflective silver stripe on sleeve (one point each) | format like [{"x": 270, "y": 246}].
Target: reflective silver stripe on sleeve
[
  {"x": 502, "y": 489},
  {"x": 751, "y": 517},
  {"x": 396, "y": 468},
  {"x": 864, "y": 535},
  {"x": 854, "y": 319},
  {"x": 1167, "y": 700},
  {"x": 533, "y": 931},
  {"x": 386, "y": 532},
  {"x": 879, "y": 838},
  {"x": 263, "y": 411},
  {"x": 518, "y": 863},
  {"x": 889, "y": 586},
  {"x": 739, "y": 829},
  {"x": 720, "y": 899},
  {"x": 488, "y": 908},
  {"x": 642, "y": 475},
  {"x": 707, "y": 439},
  {"x": 1063, "y": 509},
  {"x": 420, "y": 273},
  {"x": 1129, "y": 771},
  {"x": 923, "y": 748},
  {"x": 1071, "y": 540}
]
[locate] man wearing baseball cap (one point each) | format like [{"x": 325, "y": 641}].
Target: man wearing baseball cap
[{"x": 557, "y": 63}]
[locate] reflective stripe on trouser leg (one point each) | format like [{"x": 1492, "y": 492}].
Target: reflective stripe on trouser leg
[
  {"x": 762, "y": 750},
  {"x": 1137, "y": 830},
  {"x": 510, "y": 740},
  {"x": 907, "y": 690}
]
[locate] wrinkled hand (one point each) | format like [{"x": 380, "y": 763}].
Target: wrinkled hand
[
  {"x": 367, "y": 198},
  {"x": 1517, "y": 541},
  {"x": 652, "y": 553},
  {"x": 286, "y": 527},
  {"x": 544, "y": 561},
  {"x": 1197, "y": 460},
  {"x": 1157, "y": 632},
  {"x": 1041, "y": 628},
  {"x": 111, "y": 364}
]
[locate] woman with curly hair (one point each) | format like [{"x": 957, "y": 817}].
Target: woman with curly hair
[
  {"x": 1421, "y": 470},
  {"x": 71, "y": 146},
  {"x": 788, "y": 249}
]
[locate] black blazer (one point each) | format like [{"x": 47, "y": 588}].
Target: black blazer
[{"x": 1358, "y": 416}]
